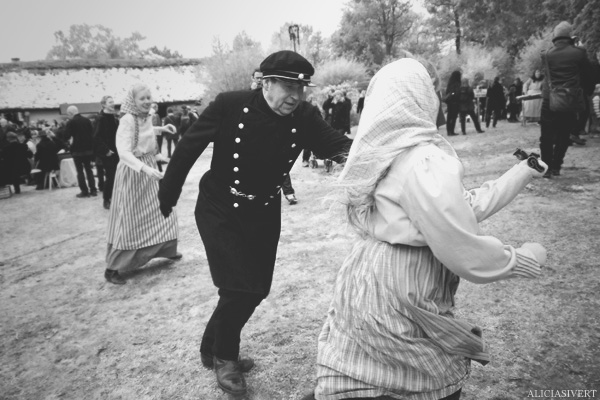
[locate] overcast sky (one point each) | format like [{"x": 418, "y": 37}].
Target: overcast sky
[{"x": 187, "y": 26}]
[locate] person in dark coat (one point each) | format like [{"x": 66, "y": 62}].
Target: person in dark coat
[
  {"x": 496, "y": 102},
  {"x": 567, "y": 66},
  {"x": 46, "y": 158},
  {"x": 81, "y": 130},
  {"x": 105, "y": 146},
  {"x": 257, "y": 136},
  {"x": 340, "y": 111},
  {"x": 16, "y": 160},
  {"x": 466, "y": 98},
  {"x": 361, "y": 102},
  {"x": 451, "y": 99},
  {"x": 172, "y": 138}
]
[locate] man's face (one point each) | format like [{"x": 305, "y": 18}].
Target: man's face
[
  {"x": 283, "y": 96},
  {"x": 257, "y": 78},
  {"x": 110, "y": 105}
]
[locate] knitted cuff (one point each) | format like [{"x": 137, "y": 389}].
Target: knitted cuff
[{"x": 527, "y": 265}]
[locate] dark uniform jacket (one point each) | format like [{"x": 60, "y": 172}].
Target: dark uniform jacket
[
  {"x": 238, "y": 211},
  {"x": 105, "y": 134},
  {"x": 46, "y": 155},
  {"x": 81, "y": 130}
]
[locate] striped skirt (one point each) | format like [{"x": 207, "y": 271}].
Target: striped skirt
[
  {"x": 135, "y": 221},
  {"x": 390, "y": 330}
]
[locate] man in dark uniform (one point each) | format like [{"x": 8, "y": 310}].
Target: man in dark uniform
[{"x": 257, "y": 136}]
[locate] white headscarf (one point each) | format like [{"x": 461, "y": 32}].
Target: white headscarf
[
  {"x": 129, "y": 107},
  {"x": 401, "y": 109},
  {"x": 400, "y": 112}
]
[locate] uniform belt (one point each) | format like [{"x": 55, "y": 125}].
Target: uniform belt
[{"x": 237, "y": 193}]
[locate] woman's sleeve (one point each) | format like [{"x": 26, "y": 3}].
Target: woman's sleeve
[
  {"x": 124, "y": 142},
  {"x": 432, "y": 197},
  {"x": 494, "y": 195}
]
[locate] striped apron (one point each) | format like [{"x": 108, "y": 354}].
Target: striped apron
[{"x": 135, "y": 220}]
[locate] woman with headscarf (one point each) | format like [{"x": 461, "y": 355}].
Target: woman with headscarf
[
  {"x": 137, "y": 231},
  {"x": 390, "y": 330},
  {"x": 452, "y": 100},
  {"x": 532, "y": 109}
]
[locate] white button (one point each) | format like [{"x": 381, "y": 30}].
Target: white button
[
  {"x": 237, "y": 182},
  {"x": 241, "y": 126},
  {"x": 300, "y": 76},
  {"x": 284, "y": 174},
  {"x": 293, "y": 145},
  {"x": 235, "y": 169},
  {"x": 236, "y": 205},
  {"x": 236, "y": 155},
  {"x": 237, "y": 140},
  {"x": 279, "y": 186},
  {"x": 266, "y": 204},
  {"x": 293, "y": 130},
  {"x": 271, "y": 196},
  {"x": 245, "y": 109},
  {"x": 291, "y": 161}
]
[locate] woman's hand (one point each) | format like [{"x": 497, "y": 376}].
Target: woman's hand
[
  {"x": 152, "y": 173},
  {"x": 539, "y": 252}
]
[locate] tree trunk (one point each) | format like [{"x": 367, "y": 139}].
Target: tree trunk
[{"x": 458, "y": 35}]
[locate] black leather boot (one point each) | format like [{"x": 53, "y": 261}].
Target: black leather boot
[
  {"x": 246, "y": 364},
  {"x": 229, "y": 376},
  {"x": 113, "y": 277}
]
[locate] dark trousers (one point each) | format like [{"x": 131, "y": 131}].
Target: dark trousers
[
  {"x": 493, "y": 114},
  {"x": 15, "y": 180},
  {"x": 474, "y": 118},
  {"x": 306, "y": 155},
  {"x": 451, "y": 118},
  {"x": 453, "y": 396},
  {"x": 286, "y": 186},
  {"x": 171, "y": 139},
  {"x": 100, "y": 173},
  {"x": 85, "y": 163},
  {"x": 583, "y": 116},
  {"x": 554, "y": 140},
  {"x": 222, "y": 334},
  {"x": 110, "y": 167},
  {"x": 159, "y": 141}
]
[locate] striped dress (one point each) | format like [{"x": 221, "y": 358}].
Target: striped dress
[
  {"x": 137, "y": 231},
  {"x": 390, "y": 330}
]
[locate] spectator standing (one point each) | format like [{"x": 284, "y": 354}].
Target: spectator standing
[
  {"x": 340, "y": 111},
  {"x": 46, "y": 158},
  {"x": 467, "y": 107},
  {"x": 156, "y": 121},
  {"x": 257, "y": 136},
  {"x": 595, "y": 130},
  {"x": 187, "y": 119},
  {"x": 16, "y": 160},
  {"x": 361, "y": 102},
  {"x": 81, "y": 131},
  {"x": 256, "y": 79},
  {"x": 532, "y": 109},
  {"x": 513, "y": 103},
  {"x": 451, "y": 98},
  {"x": 566, "y": 66},
  {"x": 496, "y": 102},
  {"x": 327, "y": 106},
  {"x": 105, "y": 145},
  {"x": 137, "y": 232},
  {"x": 172, "y": 137}
]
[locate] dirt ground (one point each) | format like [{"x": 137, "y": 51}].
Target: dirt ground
[{"x": 68, "y": 334}]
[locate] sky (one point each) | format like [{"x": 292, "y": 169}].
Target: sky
[{"x": 187, "y": 26}]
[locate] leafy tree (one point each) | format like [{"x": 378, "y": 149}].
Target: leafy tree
[
  {"x": 94, "y": 42},
  {"x": 341, "y": 71},
  {"x": 588, "y": 27},
  {"x": 232, "y": 69},
  {"x": 165, "y": 52},
  {"x": 446, "y": 19},
  {"x": 310, "y": 44},
  {"x": 371, "y": 30}
]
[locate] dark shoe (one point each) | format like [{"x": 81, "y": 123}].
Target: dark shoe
[
  {"x": 452, "y": 134},
  {"x": 464, "y": 133},
  {"x": 229, "y": 376},
  {"x": 82, "y": 195},
  {"x": 480, "y": 131},
  {"x": 555, "y": 172},
  {"x": 246, "y": 364},
  {"x": 548, "y": 174},
  {"x": 94, "y": 193},
  {"x": 578, "y": 140},
  {"x": 113, "y": 276},
  {"x": 291, "y": 199},
  {"x": 107, "y": 204},
  {"x": 177, "y": 256}
]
